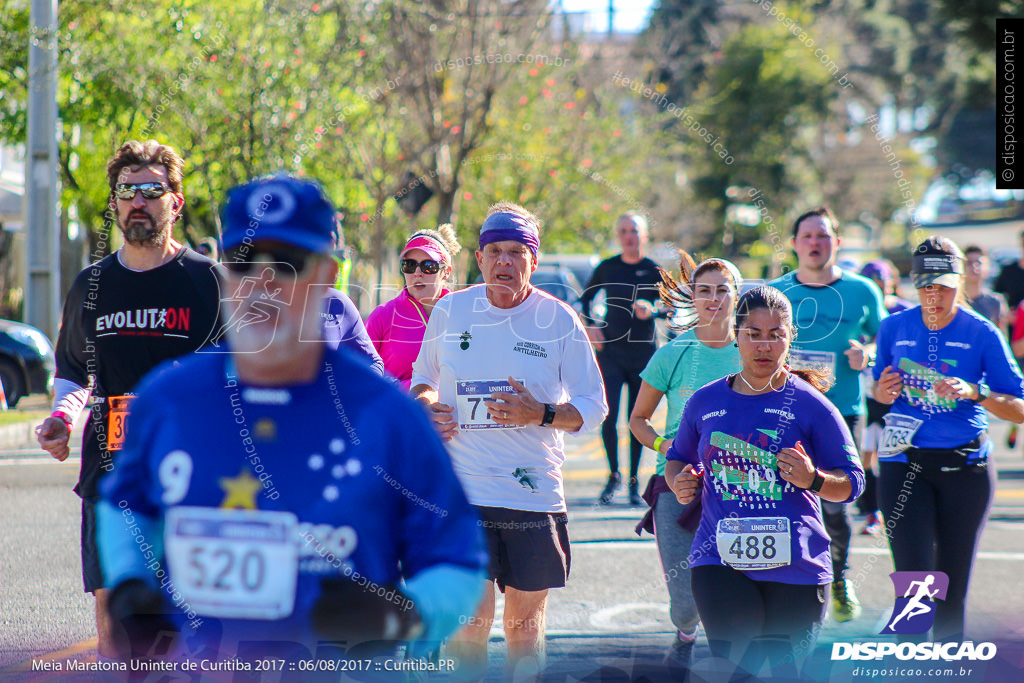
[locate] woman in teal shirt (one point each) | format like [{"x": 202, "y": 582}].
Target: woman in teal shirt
[{"x": 705, "y": 305}]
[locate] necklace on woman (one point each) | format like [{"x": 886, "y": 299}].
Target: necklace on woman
[{"x": 755, "y": 389}]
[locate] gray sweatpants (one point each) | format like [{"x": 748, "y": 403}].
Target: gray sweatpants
[{"x": 674, "y": 548}]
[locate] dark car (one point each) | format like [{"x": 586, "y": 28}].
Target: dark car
[
  {"x": 558, "y": 282},
  {"x": 26, "y": 361}
]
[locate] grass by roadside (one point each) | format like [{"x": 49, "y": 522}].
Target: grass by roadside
[{"x": 16, "y": 415}]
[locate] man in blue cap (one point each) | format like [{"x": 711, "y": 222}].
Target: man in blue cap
[{"x": 271, "y": 497}]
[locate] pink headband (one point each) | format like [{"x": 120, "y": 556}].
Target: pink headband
[{"x": 432, "y": 246}]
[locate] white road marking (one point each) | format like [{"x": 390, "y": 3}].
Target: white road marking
[{"x": 610, "y": 618}]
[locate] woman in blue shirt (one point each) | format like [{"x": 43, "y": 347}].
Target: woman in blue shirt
[{"x": 941, "y": 366}]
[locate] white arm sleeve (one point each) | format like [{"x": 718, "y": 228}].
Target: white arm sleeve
[{"x": 69, "y": 398}]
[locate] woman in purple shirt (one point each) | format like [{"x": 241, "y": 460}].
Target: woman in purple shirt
[{"x": 761, "y": 447}]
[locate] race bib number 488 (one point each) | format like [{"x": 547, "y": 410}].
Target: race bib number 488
[
  {"x": 752, "y": 543},
  {"x": 234, "y": 564}
]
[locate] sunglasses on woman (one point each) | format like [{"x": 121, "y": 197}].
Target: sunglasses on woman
[
  {"x": 244, "y": 258},
  {"x": 148, "y": 190},
  {"x": 428, "y": 266}
]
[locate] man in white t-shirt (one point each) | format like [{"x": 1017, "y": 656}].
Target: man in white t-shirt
[{"x": 505, "y": 369}]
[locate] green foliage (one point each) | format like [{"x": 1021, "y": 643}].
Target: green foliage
[
  {"x": 14, "y": 30},
  {"x": 355, "y": 94},
  {"x": 761, "y": 99},
  {"x": 561, "y": 148},
  {"x": 678, "y": 45}
]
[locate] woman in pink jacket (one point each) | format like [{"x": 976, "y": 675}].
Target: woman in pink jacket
[{"x": 396, "y": 328}]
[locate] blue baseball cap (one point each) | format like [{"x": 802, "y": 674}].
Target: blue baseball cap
[{"x": 281, "y": 208}]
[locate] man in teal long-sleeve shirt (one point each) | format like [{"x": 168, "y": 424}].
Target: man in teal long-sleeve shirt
[{"x": 837, "y": 314}]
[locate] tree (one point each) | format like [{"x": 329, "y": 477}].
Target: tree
[
  {"x": 454, "y": 58},
  {"x": 763, "y": 102},
  {"x": 678, "y": 45}
]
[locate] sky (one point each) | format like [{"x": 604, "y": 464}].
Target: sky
[{"x": 630, "y": 15}]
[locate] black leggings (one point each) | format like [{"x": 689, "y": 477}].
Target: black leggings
[
  {"x": 620, "y": 367},
  {"x": 748, "y": 621},
  {"x": 868, "y": 501},
  {"x": 936, "y": 527}
]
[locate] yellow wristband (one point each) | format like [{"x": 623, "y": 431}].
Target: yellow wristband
[{"x": 657, "y": 443}]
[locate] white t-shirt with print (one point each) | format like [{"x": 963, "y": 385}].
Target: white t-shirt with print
[{"x": 469, "y": 350}]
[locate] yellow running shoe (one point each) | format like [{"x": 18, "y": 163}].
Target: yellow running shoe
[{"x": 845, "y": 606}]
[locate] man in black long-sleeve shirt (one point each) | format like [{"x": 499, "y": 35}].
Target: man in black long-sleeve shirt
[{"x": 625, "y": 340}]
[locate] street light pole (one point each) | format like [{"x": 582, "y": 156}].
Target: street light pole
[{"x": 42, "y": 296}]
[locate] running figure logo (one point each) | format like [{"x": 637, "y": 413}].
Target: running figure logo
[
  {"x": 914, "y": 612},
  {"x": 258, "y": 303}
]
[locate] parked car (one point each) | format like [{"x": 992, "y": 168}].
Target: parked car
[
  {"x": 581, "y": 265},
  {"x": 558, "y": 282},
  {"x": 26, "y": 361}
]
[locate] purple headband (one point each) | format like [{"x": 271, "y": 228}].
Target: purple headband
[{"x": 505, "y": 225}]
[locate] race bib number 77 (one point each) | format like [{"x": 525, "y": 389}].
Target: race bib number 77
[{"x": 469, "y": 400}]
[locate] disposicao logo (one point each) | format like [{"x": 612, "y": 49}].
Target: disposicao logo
[
  {"x": 914, "y": 613},
  {"x": 914, "y": 610}
]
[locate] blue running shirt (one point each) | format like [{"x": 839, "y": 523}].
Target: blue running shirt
[
  {"x": 970, "y": 348},
  {"x": 341, "y": 477}
]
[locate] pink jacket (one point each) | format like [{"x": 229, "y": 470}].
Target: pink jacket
[{"x": 396, "y": 329}]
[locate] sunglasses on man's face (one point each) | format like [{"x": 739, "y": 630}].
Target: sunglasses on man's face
[
  {"x": 149, "y": 190},
  {"x": 428, "y": 266},
  {"x": 243, "y": 259}
]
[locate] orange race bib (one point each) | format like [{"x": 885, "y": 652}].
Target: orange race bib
[{"x": 116, "y": 421}]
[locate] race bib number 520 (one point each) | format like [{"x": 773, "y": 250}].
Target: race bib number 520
[
  {"x": 234, "y": 564},
  {"x": 752, "y": 543}
]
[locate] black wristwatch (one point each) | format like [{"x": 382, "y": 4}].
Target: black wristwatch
[
  {"x": 818, "y": 482},
  {"x": 983, "y": 392},
  {"x": 549, "y": 415}
]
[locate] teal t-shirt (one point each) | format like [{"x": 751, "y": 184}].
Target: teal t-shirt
[
  {"x": 826, "y": 319},
  {"x": 680, "y": 368}
]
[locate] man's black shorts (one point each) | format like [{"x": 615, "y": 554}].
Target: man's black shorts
[{"x": 529, "y": 551}]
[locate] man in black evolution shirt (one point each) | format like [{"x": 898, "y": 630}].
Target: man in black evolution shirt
[
  {"x": 625, "y": 340},
  {"x": 152, "y": 300}
]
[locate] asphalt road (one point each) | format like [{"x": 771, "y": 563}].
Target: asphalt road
[{"x": 610, "y": 623}]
